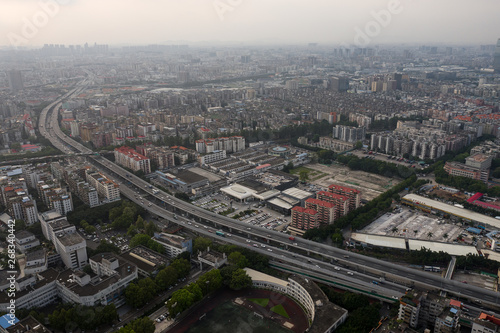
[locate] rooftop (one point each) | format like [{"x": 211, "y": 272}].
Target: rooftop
[
  {"x": 297, "y": 193},
  {"x": 460, "y": 212},
  {"x": 24, "y": 234},
  {"x": 479, "y": 157},
  {"x": 190, "y": 177},
  {"x": 71, "y": 239}
]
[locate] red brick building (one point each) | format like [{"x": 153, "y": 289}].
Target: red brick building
[
  {"x": 326, "y": 210},
  {"x": 303, "y": 219},
  {"x": 353, "y": 195},
  {"x": 341, "y": 202}
]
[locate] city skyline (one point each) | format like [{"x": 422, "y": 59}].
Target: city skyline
[{"x": 35, "y": 23}]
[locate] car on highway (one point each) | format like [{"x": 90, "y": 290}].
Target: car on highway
[
  {"x": 350, "y": 273},
  {"x": 336, "y": 268},
  {"x": 270, "y": 250}
]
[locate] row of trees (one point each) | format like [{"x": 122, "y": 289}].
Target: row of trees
[
  {"x": 139, "y": 325},
  {"x": 462, "y": 183},
  {"x": 382, "y": 168},
  {"x": 184, "y": 298},
  {"x": 69, "y": 317},
  {"x": 96, "y": 215},
  {"x": 142, "y": 226},
  {"x": 232, "y": 276},
  {"x": 89, "y": 229},
  {"x": 126, "y": 214},
  {"x": 141, "y": 292},
  {"x": 45, "y": 151}
]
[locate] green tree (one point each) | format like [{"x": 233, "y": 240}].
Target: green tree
[
  {"x": 181, "y": 300},
  {"x": 16, "y": 146},
  {"x": 227, "y": 274},
  {"x": 195, "y": 290},
  {"x": 139, "y": 325},
  {"x": 19, "y": 225},
  {"x": 182, "y": 266},
  {"x": 166, "y": 278},
  {"x": 131, "y": 231},
  {"x": 139, "y": 224},
  {"x": 358, "y": 145},
  {"x": 237, "y": 259},
  {"x": 210, "y": 281},
  {"x": 201, "y": 244},
  {"x": 151, "y": 228},
  {"x": 304, "y": 175},
  {"x": 139, "y": 239},
  {"x": 148, "y": 288},
  {"x": 133, "y": 296},
  {"x": 240, "y": 280}
]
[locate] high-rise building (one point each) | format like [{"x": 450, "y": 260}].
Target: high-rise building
[
  {"x": 15, "y": 80},
  {"x": 341, "y": 202},
  {"x": 68, "y": 243},
  {"x": 496, "y": 57},
  {"x": 339, "y": 84},
  {"x": 131, "y": 159},
  {"x": 351, "y": 193},
  {"x": 303, "y": 219}
]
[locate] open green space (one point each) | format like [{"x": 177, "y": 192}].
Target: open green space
[
  {"x": 313, "y": 174},
  {"x": 279, "y": 309},
  {"x": 260, "y": 301}
]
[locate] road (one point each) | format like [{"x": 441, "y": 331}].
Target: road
[{"x": 165, "y": 205}]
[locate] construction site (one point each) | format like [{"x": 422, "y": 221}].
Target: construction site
[{"x": 370, "y": 185}]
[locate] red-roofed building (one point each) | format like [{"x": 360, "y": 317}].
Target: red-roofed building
[
  {"x": 32, "y": 148},
  {"x": 303, "y": 219},
  {"x": 341, "y": 202},
  {"x": 325, "y": 209},
  {"x": 131, "y": 159},
  {"x": 353, "y": 195},
  {"x": 474, "y": 197},
  {"x": 486, "y": 324}
]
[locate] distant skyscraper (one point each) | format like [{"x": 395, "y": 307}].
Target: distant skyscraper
[
  {"x": 496, "y": 58},
  {"x": 15, "y": 80},
  {"x": 398, "y": 77},
  {"x": 183, "y": 77},
  {"x": 339, "y": 84},
  {"x": 245, "y": 59}
]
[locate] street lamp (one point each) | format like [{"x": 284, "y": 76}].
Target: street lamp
[{"x": 206, "y": 290}]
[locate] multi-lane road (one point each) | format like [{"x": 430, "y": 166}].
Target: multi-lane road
[{"x": 315, "y": 258}]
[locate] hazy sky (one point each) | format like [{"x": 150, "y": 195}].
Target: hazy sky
[{"x": 24, "y": 22}]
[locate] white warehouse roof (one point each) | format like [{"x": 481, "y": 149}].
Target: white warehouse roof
[
  {"x": 382, "y": 241},
  {"x": 238, "y": 191},
  {"x": 456, "y": 211},
  {"x": 452, "y": 249}
]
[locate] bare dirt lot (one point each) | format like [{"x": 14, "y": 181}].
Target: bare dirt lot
[{"x": 370, "y": 185}]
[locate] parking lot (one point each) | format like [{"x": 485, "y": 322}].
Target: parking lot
[
  {"x": 110, "y": 236},
  {"x": 255, "y": 213},
  {"x": 415, "y": 224}
]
